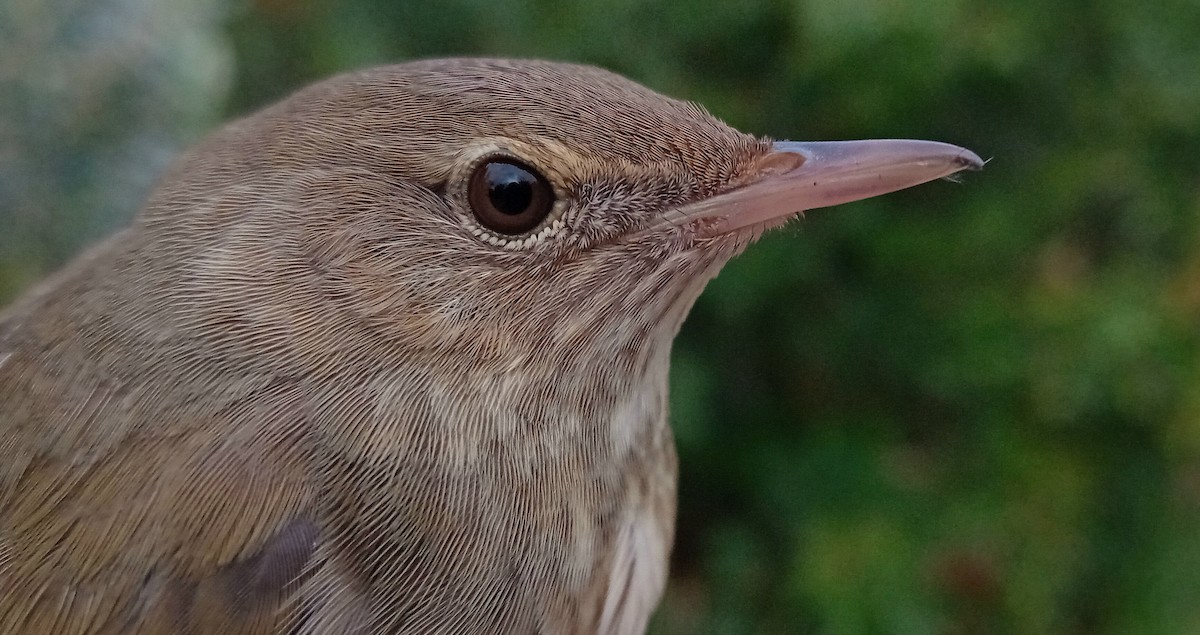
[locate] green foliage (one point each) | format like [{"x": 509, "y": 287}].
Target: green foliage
[{"x": 964, "y": 408}]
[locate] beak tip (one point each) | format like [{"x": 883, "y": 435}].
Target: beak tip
[{"x": 967, "y": 160}]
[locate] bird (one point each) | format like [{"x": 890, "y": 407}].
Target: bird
[{"x": 390, "y": 356}]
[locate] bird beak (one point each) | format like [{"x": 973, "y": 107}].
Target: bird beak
[{"x": 795, "y": 176}]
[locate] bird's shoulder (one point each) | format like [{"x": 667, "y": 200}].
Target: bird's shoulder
[{"x": 128, "y": 508}]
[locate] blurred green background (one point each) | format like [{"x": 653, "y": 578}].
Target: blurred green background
[{"x": 963, "y": 408}]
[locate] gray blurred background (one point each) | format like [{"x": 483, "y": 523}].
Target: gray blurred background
[{"x": 963, "y": 408}]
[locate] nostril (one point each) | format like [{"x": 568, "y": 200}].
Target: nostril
[{"x": 779, "y": 162}]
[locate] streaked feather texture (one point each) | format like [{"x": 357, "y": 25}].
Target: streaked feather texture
[{"x": 303, "y": 394}]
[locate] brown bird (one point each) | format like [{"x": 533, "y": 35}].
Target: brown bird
[{"x": 389, "y": 357}]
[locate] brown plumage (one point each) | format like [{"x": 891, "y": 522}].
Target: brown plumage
[{"x": 312, "y": 389}]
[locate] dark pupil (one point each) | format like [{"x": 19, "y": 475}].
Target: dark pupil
[{"x": 510, "y": 188}]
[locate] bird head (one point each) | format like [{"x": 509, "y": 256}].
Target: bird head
[{"x": 491, "y": 209}]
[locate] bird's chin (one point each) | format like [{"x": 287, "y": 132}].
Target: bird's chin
[
  {"x": 753, "y": 232},
  {"x": 712, "y": 236}
]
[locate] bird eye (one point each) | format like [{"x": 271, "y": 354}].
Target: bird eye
[{"x": 509, "y": 197}]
